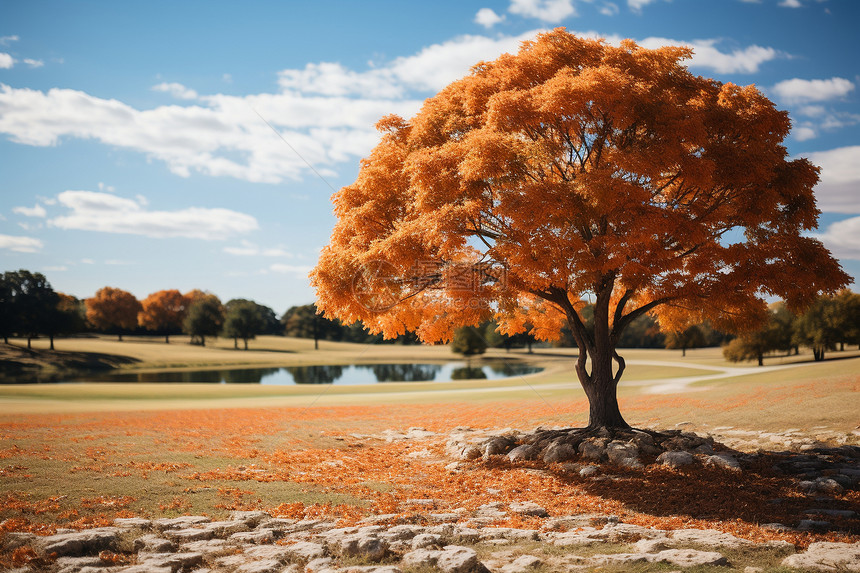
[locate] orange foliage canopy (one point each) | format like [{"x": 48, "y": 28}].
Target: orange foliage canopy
[
  {"x": 577, "y": 170},
  {"x": 164, "y": 310},
  {"x": 112, "y": 308}
]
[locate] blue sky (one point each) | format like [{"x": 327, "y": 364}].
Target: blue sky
[{"x": 134, "y": 151}]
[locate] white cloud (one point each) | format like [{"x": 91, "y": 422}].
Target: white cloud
[
  {"x": 249, "y": 249},
  {"x": 325, "y": 111},
  {"x": 6, "y": 40},
  {"x": 552, "y": 11},
  {"x": 843, "y": 238},
  {"x": 35, "y": 211},
  {"x": 791, "y": 4},
  {"x": 332, "y": 79},
  {"x": 637, "y": 5},
  {"x": 88, "y": 261},
  {"x": 6, "y": 61},
  {"x": 840, "y": 179},
  {"x": 706, "y": 54},
  {"x": 487, "y": 18},
  {"x": 103, "y": 212},
  {"x": 804, "y": 133},
  {"x": 802, "y": 91},
  {"x": 20, "y": 244},
  {"x": 34, "y": 63},
  {"x": 609, "y": 9},
  {"x": 57, "y": 268},
  {"x": 176, "y": 90},
  {"x": 284, "y": 269}
]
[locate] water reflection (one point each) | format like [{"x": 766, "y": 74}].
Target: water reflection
[
  {"x": 327, "y": 374},
  {"x": 315, "y": 374},
  {"x": 468, "y": 373}
]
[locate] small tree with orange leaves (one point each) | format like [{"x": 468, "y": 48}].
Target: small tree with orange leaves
[
  {"x": 164, "y": 311},
  {"x": 113, "y": 309},
  {"x": 577, "y": 171}
]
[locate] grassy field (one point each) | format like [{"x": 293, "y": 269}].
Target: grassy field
[{"x": 82, "y": 454}]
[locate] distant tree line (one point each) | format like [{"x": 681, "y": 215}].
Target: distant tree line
[
  {"x": 29, "y": 307},
  {"x": 829, "y": 324}
]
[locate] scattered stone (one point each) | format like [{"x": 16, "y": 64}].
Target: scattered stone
[
  {"x": 153, "y": 544},
  {"x": 261, "y": 535},
  {"x": 426, "y": 541},
  {"x": 675, "y": 459},
  {"x": 523, "y": 564},
  {"x": 813, "y": 525},
  {"x": 251, "y": 518},
  {"x": 825, "y": 556},
  {"x": 498, "y": 445},
  {"x": 451, "y": 559},
  {"x": 593, "y": 449},
  {"x": 588, "y": 471},
  {"x": 305, "y": 551},
  {"x": 80, "y": 543},
  {"x": 132, "y": 523},
  {"x": 174, "y": 561},
  {"x": 559, "y": 452},
  {"x": 709, "y": 537},
  {"x": 319, "y": 564},
  {"x": 528, "y": 508},
  {"x": 723, "y": 460},
  {"x": 190, "y": 534},
  {"x": 524, "y": 452}
]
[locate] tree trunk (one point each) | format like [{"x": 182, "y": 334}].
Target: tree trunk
[
  {"x": 602, "y": 393},
  {"x": 760, "y": 359},
  {"x": 202, "y": 340},
  {"x": 120, "y": 336},
  {"x": 28, "y": 343},
  {"x": 683, "y": 351},
  {"x": 167, "y": 339},
  {"x": 52, "y": 342},
  {"x": 246, "y": 344},
  {"x": 236, "y": 343}
]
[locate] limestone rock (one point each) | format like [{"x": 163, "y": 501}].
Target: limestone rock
[
  {"x": 182, "y": 522},
  {"x": 426, "y": 541},
  {"x": 825, "y": 556},
  {"x": 498, "y": 445},
  {"x": 175, "y": 561},
  {"x": 153, "y": 544},
  {"x": 251, "y": 518},
  {"x": 709, "y": 538},
  {"x": 189, "y": 534},
  {"x": 80, "y": 543},
  {"x": 675, "y": 459},
  {"x": 558, "y": 452},
  {"x": 261, "y": 566},
  {"x": 305, "y": 551},
  {"x": 622, "y": 453},
  {"x": 723, "y": 460},
  {"x": 528, "y": 508},
  {"x": 132, "y": 523},
  {"x": 522, "y": 564},
  {"x": 594, "y": 449},
  {"x": 524, "y": 452},
  {"x": 688, "y": 557},
  {"x": 451, "y": 559}
]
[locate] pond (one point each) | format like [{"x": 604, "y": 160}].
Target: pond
[{"x": 327, "y": 374}]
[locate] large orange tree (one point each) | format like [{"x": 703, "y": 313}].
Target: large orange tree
[
  {"x": 577, "y": 171},
  {"x": 112, "y": 309},
  {"x": 164, "y": 311}
]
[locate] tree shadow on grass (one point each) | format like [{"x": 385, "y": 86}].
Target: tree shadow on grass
[
  {"x": 772, "y": 488},
  {"x": 26, "y": 366}
]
